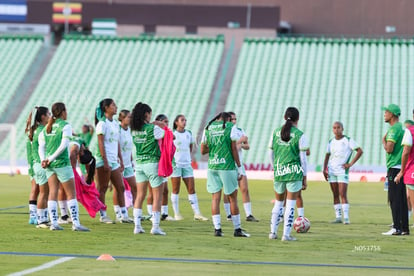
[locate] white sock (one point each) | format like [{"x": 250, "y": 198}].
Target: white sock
[
  {"x": 46, "y": 214},
  {"x": 247, "y": 208},
  {"x": 283, "y": 212},
  {"x": 74, "y": 211},
  {"x": 289, "y": 216},
  {"x": 345, "y": 210},
  {"x": 164, "y": 210},
  {"x": 117, "y": 210},
  {"x": 137, "y": 217},
  {"x": 33, "y": 210},
  {"x": 338, "y": 211},
  {"x": 217, "y": 221},
  {"x": 156, "y": 219},
  {"x": 301, "y": 212},
  {"x": 227, "y": 208},
  {"x": 63, "y": 205},
  {"x": 124, "y": 212},
  {"x": 102, "y": 213},
  {"x": 53, "y": 212},
  {"x": 149, "y": 209},
  {"x": 236, "y": 221},
  {"x": 41, "y": 216},
  {"x": 194, "y": 203},
  {"x": 174, "y": 203},
  {"x": 277, "y": 213}
]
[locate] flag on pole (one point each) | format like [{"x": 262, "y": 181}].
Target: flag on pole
[{"x": 72, "y": 12}]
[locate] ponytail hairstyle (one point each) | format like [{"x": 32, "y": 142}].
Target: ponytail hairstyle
[
  {"x": 29, "y": 127},
  {"x": 100, "y": 109},
  {"x": 34, "y": 119},
  {"x": 87, "y": 158},
  {"x": 291, "y": 116},
  {"x": 138, "y": 115},
  {"x": 224, "y": 116},
  {"x": 176, "y": 120},
  {"x": 57, "y": 110},
  {"x": 123, "y": 114}
]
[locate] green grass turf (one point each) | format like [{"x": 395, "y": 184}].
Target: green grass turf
[{"x": 357, "y": 244}]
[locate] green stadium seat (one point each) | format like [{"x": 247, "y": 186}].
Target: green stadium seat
[
  {"x": 174, "y": 76},
  {"x": 328, "y": 80},
  {"x": 17, "y": 54}
]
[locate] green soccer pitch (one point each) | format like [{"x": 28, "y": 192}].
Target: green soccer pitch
[{"x": 190, "y": 247}]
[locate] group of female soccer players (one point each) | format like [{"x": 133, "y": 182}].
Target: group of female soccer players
[
  {"x": 48, "y": 141},
  {"x": 52, "y": 167},
  {"x": 49, "y": 155}
]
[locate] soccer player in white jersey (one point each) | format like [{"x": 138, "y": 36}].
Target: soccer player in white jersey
[
  {"x": 336, "y": 169},
  {"x": 125, "y": 141},
  {"x": 407, "y": 164},
  {"x": 79, "y": 152},
  {"x": 288, "y": 154},
  {"x": 182, "y": 168},
  {"x": 53, "y": 151},
  {"x": 109, "y": 163},
  {"x": 242, "y": 144},
  {"x": 224, "y": 169},
  {"x": 299, "y": 200}
]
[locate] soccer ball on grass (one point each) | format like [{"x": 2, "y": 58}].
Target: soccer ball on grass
[{"x": 301, "y": 225}]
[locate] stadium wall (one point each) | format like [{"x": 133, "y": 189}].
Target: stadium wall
[
  {"x": 326, "y": 17},
  {"x": 259, "y": 175},
  {"x": 151, "y": 14}
]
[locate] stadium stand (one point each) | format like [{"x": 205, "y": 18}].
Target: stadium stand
[
  {"x": 173, "y": 75},
  {"x": 328, "y": 80},
  {"x": 17, "y": 54}
]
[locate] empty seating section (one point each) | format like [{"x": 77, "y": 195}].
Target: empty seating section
[
  {"x": 174, "y": 76},
  {"x": 328, "y": 80},
  {"x": 17, "y": 53}
]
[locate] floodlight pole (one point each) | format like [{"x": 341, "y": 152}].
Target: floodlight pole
[
  {"x": 248, "y": 15},
  {"x": 65, "y": 10}
]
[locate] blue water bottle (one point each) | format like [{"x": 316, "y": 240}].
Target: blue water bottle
[{"x": 386, "y": 184}]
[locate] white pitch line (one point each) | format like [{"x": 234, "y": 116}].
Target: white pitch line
[
  {"x": 42, "y": 267},
  {"x": 14, "y": 207}
]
